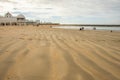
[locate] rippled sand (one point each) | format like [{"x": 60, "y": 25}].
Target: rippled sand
[{"x": 35, "y": 53}]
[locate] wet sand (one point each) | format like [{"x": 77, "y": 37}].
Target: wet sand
[{"x": 42, "y": 53}]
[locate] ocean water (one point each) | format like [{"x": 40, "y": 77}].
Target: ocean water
[{"x": 89, "y": 28}]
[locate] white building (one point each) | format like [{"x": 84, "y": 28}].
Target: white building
[{"x": 8, "y": 19}]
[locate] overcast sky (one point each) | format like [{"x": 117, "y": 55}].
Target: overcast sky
[{"x": 65, "y": 11}]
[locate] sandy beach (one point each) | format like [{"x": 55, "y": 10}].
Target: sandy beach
[{"x": 43, "y": 53}]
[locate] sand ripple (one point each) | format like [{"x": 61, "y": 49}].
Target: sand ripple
[{"x": 35, "y": 53}]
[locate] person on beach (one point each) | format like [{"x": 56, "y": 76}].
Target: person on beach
[
  {"x": 94, "y": 28},
  {"x": 80, "y": 29}
]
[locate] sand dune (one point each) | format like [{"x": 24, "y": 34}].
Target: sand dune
[{"x": 42, "y": 53}]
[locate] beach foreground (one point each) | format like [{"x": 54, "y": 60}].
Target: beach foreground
[{"x": 35, "y": 53}]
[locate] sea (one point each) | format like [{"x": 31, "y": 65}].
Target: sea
[{"x": 89, "y": 27}]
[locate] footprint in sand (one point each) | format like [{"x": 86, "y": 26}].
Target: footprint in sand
[
  {"x": 76, "y": 40},
  {"x": 30, "y": 39},
  {"x": 22, "y": 38},
  {"x": 12, "y": 77}
]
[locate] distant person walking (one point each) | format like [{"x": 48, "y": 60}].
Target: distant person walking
[
  {"x": 80, "y": 29},
  {"x": 94, "y": 28}
]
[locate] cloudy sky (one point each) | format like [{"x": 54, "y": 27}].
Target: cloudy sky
[{"x": 65, "y": 11}]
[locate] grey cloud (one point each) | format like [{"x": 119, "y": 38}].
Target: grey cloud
[
  {"x": 80, "y": 7},
  {"x": 4, "y": 0},
  {"x": 71, "y": 8},
  {"x": 8, "y": 1}
]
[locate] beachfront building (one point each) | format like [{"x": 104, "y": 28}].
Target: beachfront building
[{"x": 8, "y": 19}]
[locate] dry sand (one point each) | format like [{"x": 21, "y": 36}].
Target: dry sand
[{"x": 35, "y": 53}]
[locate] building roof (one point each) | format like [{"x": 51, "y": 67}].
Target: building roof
[
  {"x": 20, "y": 16},
  {"x": 8, "y": 14}
]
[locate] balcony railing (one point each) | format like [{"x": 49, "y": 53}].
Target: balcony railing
[{"x": 20, "y": 20}]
